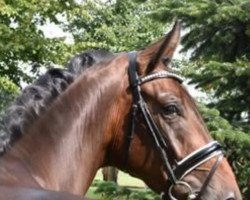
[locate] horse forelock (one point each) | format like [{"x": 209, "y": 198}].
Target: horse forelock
[{"x": 35, "y": 99}]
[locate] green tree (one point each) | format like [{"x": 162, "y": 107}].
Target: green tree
[
  {"x": 22, "y": 43},
  {"x": 228, "y": 85},
  {"x": 8, "y": 92},
  {"x": 120, "y": 25}
]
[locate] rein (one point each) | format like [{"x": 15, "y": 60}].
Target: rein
[{"x": 189, "y": 163}]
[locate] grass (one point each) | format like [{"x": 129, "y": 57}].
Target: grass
[
  {"x": 124, "y": 179},
  {"x": 91, "y": 194}
]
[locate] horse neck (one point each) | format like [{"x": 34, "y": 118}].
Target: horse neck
[{"x": 65, "y": 147}]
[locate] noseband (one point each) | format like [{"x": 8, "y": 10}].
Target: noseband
[{"x": 189, "y": 163}]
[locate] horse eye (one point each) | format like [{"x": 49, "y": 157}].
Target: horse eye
[{"x": 171, "y": 110}]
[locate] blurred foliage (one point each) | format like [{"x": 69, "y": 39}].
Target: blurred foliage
[
  {"x": 121, "y": 25},
  {"x": 215, "y": 29},
  {"x": 22, "y": 43},
  {"x": 227, "y": 86},
  {"x": 8, "y": 92}
]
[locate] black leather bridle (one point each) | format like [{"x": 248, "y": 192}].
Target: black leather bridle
[{"x": 189, "y": 163}]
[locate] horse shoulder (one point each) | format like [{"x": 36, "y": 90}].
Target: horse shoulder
[{"x": 21, "y": 193}]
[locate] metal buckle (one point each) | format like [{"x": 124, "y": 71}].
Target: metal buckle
[{"x": 191, "y": 195}]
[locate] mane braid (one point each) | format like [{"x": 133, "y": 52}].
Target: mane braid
[{"x": 38, "y": 97}]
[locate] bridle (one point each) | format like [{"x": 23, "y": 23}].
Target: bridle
[{"x": 189, "y": 163}]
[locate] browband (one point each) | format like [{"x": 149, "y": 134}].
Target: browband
[{"x": 161, "y": 74}]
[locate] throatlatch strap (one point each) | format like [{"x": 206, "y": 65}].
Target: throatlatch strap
[
  {"x": 129, "y": 135},
  {"x": 133, "y": 76},
  {"x": 133, "y": 80}
]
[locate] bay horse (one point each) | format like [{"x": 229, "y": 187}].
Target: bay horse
[{"x": 126, "y": 110}]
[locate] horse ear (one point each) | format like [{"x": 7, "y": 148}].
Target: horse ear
[{"x": 161, "y": 52}]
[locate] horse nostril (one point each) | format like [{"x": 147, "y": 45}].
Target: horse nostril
[{"x": 231, "y": 198}]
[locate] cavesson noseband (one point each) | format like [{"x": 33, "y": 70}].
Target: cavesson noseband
[{"x": 189, "y": 163}]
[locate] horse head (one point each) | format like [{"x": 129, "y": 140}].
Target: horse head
[{"x": 159, "y": 135}]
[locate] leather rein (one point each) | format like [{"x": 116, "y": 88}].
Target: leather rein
[{"x": 189, "y": 163}]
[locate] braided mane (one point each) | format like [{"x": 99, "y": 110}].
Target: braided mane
[{"x": 35, "y": 99}]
